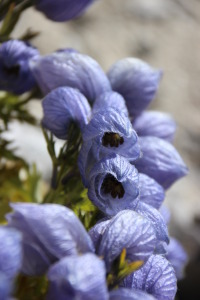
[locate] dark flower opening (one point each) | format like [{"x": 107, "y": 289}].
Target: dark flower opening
[
  {"x": 12, "y": 71},
  {"x": 111, "y": 186},
  {"x": 112, "y": 139}
]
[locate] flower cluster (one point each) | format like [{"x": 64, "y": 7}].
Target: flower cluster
[{"x": 126, "y": 162}]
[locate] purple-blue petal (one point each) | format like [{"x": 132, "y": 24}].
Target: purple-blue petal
[
  {"x": 10, "y": 252},
  {"x": 129, "y": 294},
  {"x": 15, "y": 73},
  {"x": 156, "y": 277},
  {"x": 5, "y": 287},
  {"x": 161, "y": 161},
  {"x": 165, "y": 212},
  {"x": 97, "y": 231},
  {"x": 50, "y": 232},
  {"x": 131, "y": 231},
  {"x": 155, "y": 123},
  {"x": 177, "y": 257},
  {"x": 118, "y": 173},
  {"x": 111, "y": 121},
  {"x": 156, "y": 219},
  {"x": 110, "y": 99},
  {"x": 151, "y": 192},
  {"x": 72, "y": 69},
  {"x": 136, "y": 81},
  {"x": 63, "y": 106},
  {"x": 62, "y": 10},
  {"x": 78, "y": 277}
]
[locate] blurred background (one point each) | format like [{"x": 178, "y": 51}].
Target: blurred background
[{"x": 166, "y": 34}]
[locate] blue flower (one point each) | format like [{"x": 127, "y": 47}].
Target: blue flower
[
  {"x": 156, "y": 277},
  {"x": 78, "y": 277},
  {"x": 110, "y": 99},
  {"x": 50, "y": 232},
  {"x": 129, "y": 294},
  {"x": 155, "y": 123},
  {"x": 108, "y": 132},
  {"x": 136, "y": 81},
  {"x": 113, "y": 185},
  {"x": 72, "y": 69},
  {"x": 15, "y": 73},
  {"x": 10, "y": 259},
  {"x": 151, "y": 192},
  {"x": 177, "y": 256},
  {"x": 127, "y": 230},
  {"x": 161, "y": 161},
  {"x": 62, "y": 10},
  {"x": 63, "y": 106}
]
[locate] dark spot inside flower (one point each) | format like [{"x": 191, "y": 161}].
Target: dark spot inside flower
[
  {"x": 111, "y": 186},
  {"x": 112, "y": 139},
  {"x": 12, "y": 71}
]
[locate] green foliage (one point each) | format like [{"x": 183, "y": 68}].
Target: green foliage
[
  {"x": 31, "y": 287},
  {"x": 12, "y": 108}
]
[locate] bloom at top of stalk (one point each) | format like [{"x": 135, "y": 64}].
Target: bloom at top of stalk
[
  {"x": 127, "y": 230},
  {"x": 72, "y": 69},
  {"x": 155, "y": 123},
  {"x": 110, "y": 131},
  {"x": 63, "y": 106},
  {"x": 177, "y": 256},
  {"x": 113, "y": 185},
  {"x": 136, "y": 81},
  {"x": 78, "y": 277},
  {"x": 50, "y": 232},
  {"x": 62, "y": 10},
  {"x": 110, "y": 99},
  {"x": 156, "y": 277},
  {"x": 161, "y": 161},
  {"x": 15, "y": 73}
]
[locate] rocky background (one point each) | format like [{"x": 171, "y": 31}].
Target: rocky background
[{"x": 166, "y": 34}]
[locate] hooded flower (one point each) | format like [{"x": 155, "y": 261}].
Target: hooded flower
[
  {"x": 155, "y": 123},
  {"x": 110, "y": 99},
  {"x": 15, "y": 73},
  {"x": 108, "y": 132},
  {"x": 161, "y": 161},
  {"x": 62, "y": 10},
  {"x": 63, "y": 106},
  {"x": 72, "y": 69},
  {"x": 127, "y": 230},
  {"x": 113, "y": 185},
  {"x": 50, "y": 232},
  {"x": 78, "y": 277},
  {"x": 156, "y": 277},
  {"x": 136, "y": 81}
]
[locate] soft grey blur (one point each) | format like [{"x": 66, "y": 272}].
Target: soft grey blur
[{"x": 166, "y": 34}]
